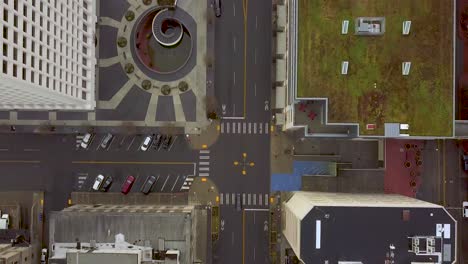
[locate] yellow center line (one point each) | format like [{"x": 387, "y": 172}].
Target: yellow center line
[
  {"x": 244, "y": 7},
  {"x": 132, "y": 162},
  {"x": 443, "y": 170},
  {"x": 243, "y": 236},
  {"x": 20, "y": 161}
]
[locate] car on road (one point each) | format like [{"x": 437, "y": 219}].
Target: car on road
[
  {"x": 44, "y": 256},
  {"x": 148, "y": 184},
  {"x": 107, "y": 140},
  {"x": 146, "y": 143},
  {"x": 85, "y": 142},
  {"x": 465, "y": 209},
  {"x": 167, "y": 142},
  {"x": 222, "y": 224},
  {"x": 238, "y": 202},
  {"x": 106, "y": 185},
  {"x": 97, "y": 182},
  {"x": 127, "y": 185},
  {"x": 217, "y": 8},
  {"x": 465, "y": 163}
]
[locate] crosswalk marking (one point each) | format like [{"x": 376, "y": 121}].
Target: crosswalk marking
[
  {"x": 204, "y": 163},
  {"x": 204, "y": 168},
  {"x": 204, "y": 157},
  {"x": 247, "y": 199},
  {"x": 203, "y": 174},
  {"x": 204, "y": 151},
  {"x": 228, "y": 127}
]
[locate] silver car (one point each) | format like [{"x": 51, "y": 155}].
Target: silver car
[{"x": 106, "y": 141}]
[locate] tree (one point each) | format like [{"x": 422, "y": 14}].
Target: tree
[
  {"x": 183, "y": 86},
  {"x": 122, "y": 42},
  {"x": 166, "y": 89},
  {"x": 211, "y": 107}
]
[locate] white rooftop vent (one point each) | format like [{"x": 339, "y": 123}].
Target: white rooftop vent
[
  {"x": 344, "y": 27},
  {"x": 405, "y": 67},
  {"x": 406, "y": 27},
  {"x": 344, "y": 67}
]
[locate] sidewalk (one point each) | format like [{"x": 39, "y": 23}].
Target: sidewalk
[
  {"x": 206, "y": 138},
  {"x": 203, "y": 191}
]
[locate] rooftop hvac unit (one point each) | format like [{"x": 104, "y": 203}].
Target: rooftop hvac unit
[
  {"x": 405, "y": 67},
  {"x": 406, "y": 27},
  {"x": 344, "y": 67},
  {"x": 344, "y": 27}
]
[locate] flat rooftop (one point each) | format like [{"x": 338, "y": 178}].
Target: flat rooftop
[
  {"x": 366, "y": 233},
  {"x": 374, "y": 91}
]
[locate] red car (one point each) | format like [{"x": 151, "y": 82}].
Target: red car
[{"x": 128, "y": 184}]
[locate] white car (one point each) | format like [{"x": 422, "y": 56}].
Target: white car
[
  {"x": 44, "y": 256},
  {"x": 146, "y": 143},
  {"x": 465, "y": 209},
  {"x": 86, "y": 140},
  {"x": 98, "y": 182}
]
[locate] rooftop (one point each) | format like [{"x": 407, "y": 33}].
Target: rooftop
[
  {"x": 367, "y": 234},
  {"x": 374, "y": 90}
]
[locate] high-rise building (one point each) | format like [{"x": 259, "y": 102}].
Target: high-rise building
[
  {"x": 368, "y": 228},
  {"x": 48, "y": 54}
]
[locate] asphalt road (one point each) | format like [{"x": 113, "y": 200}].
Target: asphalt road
[
  {"x": 243, "y": 84},
  {"x": 53, "y": 164}
]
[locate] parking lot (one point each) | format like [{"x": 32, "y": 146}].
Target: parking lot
[{"x": 128, "y": 143}]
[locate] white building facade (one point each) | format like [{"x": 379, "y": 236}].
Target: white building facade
[{"x": 48, "y": 54}]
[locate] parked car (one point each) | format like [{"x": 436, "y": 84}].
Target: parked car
[
  {"x": 107, "y": 140},
  {"x": 97, "y": 182},
  {"x": 238, "y": 202},
  {"x": 148, "y": 184},
  {"x": 127, "y": 186},
  {"x": 465, "y": 209},
  {"x": 146, "y": 143},
  {"x": 86, "y": 141},
  {"x": 217, "y": 8},
  {"x": 167, "y": 142},
  {"x": 465, "y": 163},
  {"x": 106, "y": 185},
  {"x": 157, "y": 141}
]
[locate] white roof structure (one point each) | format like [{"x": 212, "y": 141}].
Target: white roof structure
[{"x": 48, "y": 54}]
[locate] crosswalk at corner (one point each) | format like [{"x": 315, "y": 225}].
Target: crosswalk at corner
[
  {"x": 204, "y": 163},
  {"x": 237, "y": 127},
  {"x": 203, "y": 169},
  {"x": 247, "y": 199}
]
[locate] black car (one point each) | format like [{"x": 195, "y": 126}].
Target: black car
[
  {"x": 148, "y": 184},
  {"x": 106, "y": 185},
  {"x": 157, "y": 141},
  {"x": 167, "y": 142}
]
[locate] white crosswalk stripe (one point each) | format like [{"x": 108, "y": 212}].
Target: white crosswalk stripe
[
  {"x": 229, "y": 127},
  {"x": 252, "y": 200}
]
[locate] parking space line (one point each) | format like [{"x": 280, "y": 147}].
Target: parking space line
[
  {"x": 172, "y": 189},
  {"x": 165, "y": 183},
  {"x": 172, "y": 143},
  {"x": 131, "y": 143}
]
